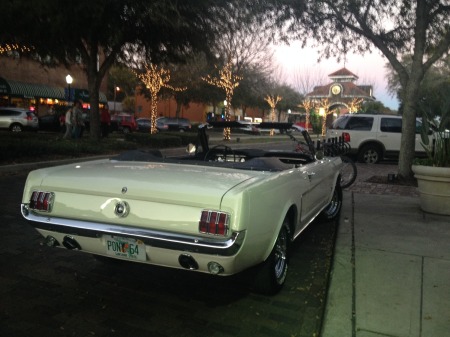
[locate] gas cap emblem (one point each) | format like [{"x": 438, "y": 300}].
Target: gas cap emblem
[
  {"x": 124, "y": 190},
  {"x": 122, "y": 209}
]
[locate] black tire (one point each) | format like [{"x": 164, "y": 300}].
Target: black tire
[
  {"x": 333, "y": 209},
  {"x": 126, "y": 130},
  {"x": 348, "y": 172},
  {"x": 370, "y": 154},
  {"x": 16, "y": 127},
  {"x": 271, "y": 274}
]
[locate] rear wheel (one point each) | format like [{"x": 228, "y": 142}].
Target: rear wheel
[
  {"x": 333, "y": 209},
  {"x": 370, "y": 154},
  {"x": 348, "y": 172},
  {"x": 271, "y": 274},
  {"x": 16, "y": 128}
]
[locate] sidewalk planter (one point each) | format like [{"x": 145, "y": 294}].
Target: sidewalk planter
[{"x": 434, "y": 188}]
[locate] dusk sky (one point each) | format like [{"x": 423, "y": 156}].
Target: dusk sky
[{"x": 370, "y": 68}]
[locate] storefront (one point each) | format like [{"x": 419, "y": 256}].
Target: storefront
[{"x": 40, "y": 97}]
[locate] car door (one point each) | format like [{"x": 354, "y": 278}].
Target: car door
[
  {"x": 5, "y": 120},
  {"x": 390, "y": 133},
  {"x": 319, "y": 176}
]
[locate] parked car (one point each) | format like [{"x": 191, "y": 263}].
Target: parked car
[
  {"x": 175, "y": 124},
  {"x": 373, "y": 137},
  {"x": 248, "y": 127},
  {"x": 123, "y": 123},
  {"x": 144, "y": 124},
  {"x": 18, "y": 119},
  {"x": 297, "y": 128},
  {"x": 216, "y": 210},
  {"x": 303, "y": 126},
  {"x": 52, "y": 122}
]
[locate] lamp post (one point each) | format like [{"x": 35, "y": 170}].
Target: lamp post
[
  {"x": 323, "y": 114},
  {"x": 69, "y": 81},
  {"x": 225, "y": 104},
  {"x": 116, "y": 89}
]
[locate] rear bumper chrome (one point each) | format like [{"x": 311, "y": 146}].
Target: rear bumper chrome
[{"x": 167, "y": 240}]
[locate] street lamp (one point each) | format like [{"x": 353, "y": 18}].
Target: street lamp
[
  {"x": 69, "y": 81},
  {"x": 116, "y": 89},
  {"x": 225, "y": 103}
]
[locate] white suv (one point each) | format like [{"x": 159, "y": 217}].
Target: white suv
[
  {"x": 372, "y": 137},
  {"x": 18, "y": 119}
]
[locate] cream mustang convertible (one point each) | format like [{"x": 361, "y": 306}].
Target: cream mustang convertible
[{"x": 216, "y": 210}]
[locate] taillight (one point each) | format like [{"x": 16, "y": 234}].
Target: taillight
[
  {"x": 346, "y": 137},
  {"x": 42, "y": 201},
  {"x": 213, "y": 222}
]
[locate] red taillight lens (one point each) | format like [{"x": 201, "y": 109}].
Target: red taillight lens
[
  {"x": 213, "y": 222},
  {"x": 41, "y": 201},
  {"x": 346, "y": 137}
]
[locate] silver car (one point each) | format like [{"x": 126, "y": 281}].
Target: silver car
[{"x": 18, "y": 119}]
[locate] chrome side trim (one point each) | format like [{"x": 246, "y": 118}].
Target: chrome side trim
[{"x": 167, "y": 240}]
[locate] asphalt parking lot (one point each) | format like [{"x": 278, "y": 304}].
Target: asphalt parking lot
[{"x": 54, "y": 292}]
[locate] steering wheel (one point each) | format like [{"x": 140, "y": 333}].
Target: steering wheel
[{"x": 226, "y": 149}]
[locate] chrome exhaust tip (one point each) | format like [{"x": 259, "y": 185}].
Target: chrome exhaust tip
[
  {"x": 188, "y": 262},
  {"x": 50, "y": 241},
  {"x": 70, "y": 243}
]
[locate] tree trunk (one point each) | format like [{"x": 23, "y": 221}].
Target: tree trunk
[
  {"x": 178, "y": 110},
  {"x": 407, "y": 146},
  {"x": 94, "y": 118}
]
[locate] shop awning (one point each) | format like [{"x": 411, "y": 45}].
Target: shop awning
[{"x": 32, "y": 90}]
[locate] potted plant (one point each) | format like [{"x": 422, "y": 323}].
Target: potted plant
[{"x": 433, "y": 173}]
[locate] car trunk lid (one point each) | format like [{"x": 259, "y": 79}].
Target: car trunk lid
[{"x": 159, "y": 195}]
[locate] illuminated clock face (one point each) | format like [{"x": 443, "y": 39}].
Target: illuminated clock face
[{"x": 335, "y": 89}]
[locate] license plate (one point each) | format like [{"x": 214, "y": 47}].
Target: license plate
[{"x": 128, "y": 248}]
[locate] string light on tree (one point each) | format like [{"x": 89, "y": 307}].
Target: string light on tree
[
  {"x": 154, "y": 79},
  {"x": 272, "y": 101},
  {"x": 324, "y": 106},
  {"x": 355, "y": 105},
  {"x": 227, "y": 81},
  {"x": 307, "y": 105},
  {"x": 7, "y": 48}
]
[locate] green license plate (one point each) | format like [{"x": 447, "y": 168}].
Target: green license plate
[{"x": 128, "y": 248}]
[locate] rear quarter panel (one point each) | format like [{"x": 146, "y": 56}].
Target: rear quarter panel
[{"x": 261, "y": 207}]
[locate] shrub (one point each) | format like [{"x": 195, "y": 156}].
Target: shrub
[{"x": 18, "y": 147}]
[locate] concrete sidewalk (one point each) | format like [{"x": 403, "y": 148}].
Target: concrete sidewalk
[{"x": 391, "y": 270}]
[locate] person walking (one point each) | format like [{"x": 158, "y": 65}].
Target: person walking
[
  {"x": 77, "y": 119},
  {"x": 105, "y": 121},
  {"x": 68, "y": 123}
]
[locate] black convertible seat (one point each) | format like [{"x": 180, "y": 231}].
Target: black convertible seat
[
  {"x": 257, "y": 160},
  {"x": 264, "y": 164}
]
